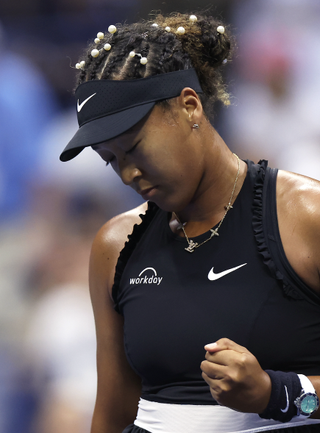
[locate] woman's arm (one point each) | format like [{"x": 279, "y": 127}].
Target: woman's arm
[
  {"x": 118, "y": 386},
  {"x": 298, "y": 210}
]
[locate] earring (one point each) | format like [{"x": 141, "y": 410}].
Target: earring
[{"x": 195, "y": 126}]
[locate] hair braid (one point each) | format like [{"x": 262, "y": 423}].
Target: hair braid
[
  {"x": 96, "y": 65},
  {"x": 200, "y": 47},
  {"x": 84, "y": 74}
]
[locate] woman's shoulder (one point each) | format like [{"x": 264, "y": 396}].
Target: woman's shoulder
[
  {"x": 298, "y": 208},
  {"x": 299, "y": 195},
  {"x": 116, "y": 230},
  {"x": 298, "y": 183},
  {"x": 109, "y": 241}
]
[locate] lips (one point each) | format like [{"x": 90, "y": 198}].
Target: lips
[{"x": 147, "y": 193}]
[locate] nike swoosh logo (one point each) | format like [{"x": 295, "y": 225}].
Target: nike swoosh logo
[
  {"x": 213, "y": 277},
  {"x": 287, "y": 397},
  {"x": 80, "y": 106}
]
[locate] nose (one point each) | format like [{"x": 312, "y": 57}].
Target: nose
[{"x": 128, "y": 173}]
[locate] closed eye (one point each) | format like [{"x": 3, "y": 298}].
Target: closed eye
[
  {"x": 113, "y": 162},
  {"x": 132, "y": 148},
  {"x": 110, "y": 160}
]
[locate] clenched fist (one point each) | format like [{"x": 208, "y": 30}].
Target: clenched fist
[{"x": 235, "y": 377}]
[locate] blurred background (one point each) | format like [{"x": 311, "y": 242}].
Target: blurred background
[{"x": 50, "y": 211}]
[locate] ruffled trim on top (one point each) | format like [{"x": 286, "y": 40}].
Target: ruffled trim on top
[
  {"x": 257, "y": 223},
  {"x": 129, "y": 246}
]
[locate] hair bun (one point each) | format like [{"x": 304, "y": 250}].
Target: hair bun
[{"x": 216, "y": 44}]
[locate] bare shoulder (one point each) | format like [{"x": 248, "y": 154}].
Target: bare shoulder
[
  {"x": 114, "y": 233},
  {"x": 108, "y": 243},
  {"x": 298, "y": 207},
  {"x": 299, "y": 196},
  {"x": 298, "y": 184}
]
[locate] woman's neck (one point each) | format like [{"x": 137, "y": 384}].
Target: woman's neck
[{"x": 222, "y": 181}]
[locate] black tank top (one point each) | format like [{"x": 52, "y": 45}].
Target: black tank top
[{"x": 238, "y": 285}]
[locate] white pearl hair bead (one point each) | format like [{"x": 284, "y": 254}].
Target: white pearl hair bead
[
  {"x": 220, "y": 30},
  {"x": 107, "y": 47},
  {"x": 193, "y": 18},
  {"x": 97, "y": 40},
  {"x": 181, "y": 30},
  {"x": 100, "y": 35},
  {"x": 82, "y": 64},
  {"x": 95, "y": 52},
  {"x": 143, "y": 60},
  {"x": 154, "y": 25},
  {"x": 112, "y": 29},
  {"x": 225, "y": 61},
  {"x": 78, "y": 66},
  {"x": 132, "y": 54},
  {"x": 168, "y": 29}
]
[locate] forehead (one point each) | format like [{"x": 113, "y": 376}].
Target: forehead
[
  {"x": 154, "y": 120},
  {"x": 126, "y": 137}
]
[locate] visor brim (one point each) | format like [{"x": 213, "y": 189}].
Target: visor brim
[{"x": 104, "y": 128}]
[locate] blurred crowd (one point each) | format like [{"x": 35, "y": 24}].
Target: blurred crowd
[{"x": 50, "y": 211}]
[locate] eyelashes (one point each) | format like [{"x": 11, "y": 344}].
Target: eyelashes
[
  {"x": 132, "y": 148},
  {"x": 109, "y": 162},
  {"x": 128, "y": 152}
]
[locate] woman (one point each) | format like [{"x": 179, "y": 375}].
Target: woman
[{"x": 216, "y": 295}]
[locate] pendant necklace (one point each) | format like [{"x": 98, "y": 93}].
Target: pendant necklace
[{"x": 214, "y": 232}]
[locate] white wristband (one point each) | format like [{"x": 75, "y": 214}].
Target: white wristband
[{"x": 306, "y": 384}]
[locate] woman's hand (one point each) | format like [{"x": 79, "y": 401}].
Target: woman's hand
[{"x": 235, "y": 377}]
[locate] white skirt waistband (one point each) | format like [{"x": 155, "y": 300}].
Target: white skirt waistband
[{"x": 177, "y": 418}]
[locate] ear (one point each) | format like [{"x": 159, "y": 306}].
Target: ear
[{"x": 190, "y": 102}]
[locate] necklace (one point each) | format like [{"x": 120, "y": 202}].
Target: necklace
[{"x": 214, "y": 232}]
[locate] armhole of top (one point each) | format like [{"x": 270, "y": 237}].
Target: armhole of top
[
  {"x": 129, "y": 246},
  {"x": 277, "y": 261}
]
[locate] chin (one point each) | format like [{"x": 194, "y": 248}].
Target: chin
[
  {"x": 168, "y": 205},
  {"x": 163, "y": 206}
]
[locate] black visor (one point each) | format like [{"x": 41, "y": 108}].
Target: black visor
[{"x": 107, "y": 108}]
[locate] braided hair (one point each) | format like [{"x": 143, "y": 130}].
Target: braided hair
[{"x": 199, "y": 46}]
